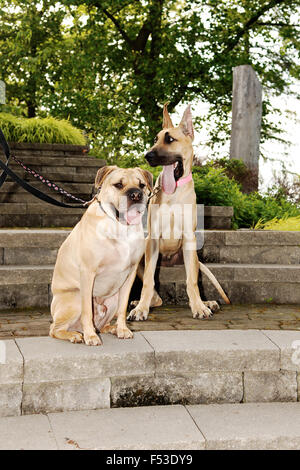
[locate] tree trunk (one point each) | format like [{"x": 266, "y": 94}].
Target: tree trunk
[{"x": 31, "y": 110}]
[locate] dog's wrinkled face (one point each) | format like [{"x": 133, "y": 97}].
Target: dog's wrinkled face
[
  {"x": 173, "y": 149},
  {"x": 125, "y": 191}
]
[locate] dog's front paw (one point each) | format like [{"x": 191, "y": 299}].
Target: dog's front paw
[
  {"x": 139, "y": 313},
  {"x": 124, "y": 333},
  {"x": 92, "y": 339},
  {"x": 201, "y": 311},
  {"x": 76, "y": 338},
  {"x": 212, "y": 305}
]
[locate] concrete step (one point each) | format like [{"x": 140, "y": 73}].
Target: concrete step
[
  {"x": 215, "y": 246},
  {"x": 42, "y": 374},
  {"x": 13, "y": 193},
  {"x": 249, "y": 246},
  {"x": 59, "y": 149},
  {"x": 243, "y": 283},
  {"x": 45, "y": 163},
  {"x": 27, "y": 258},
  {"x": 79, "y": 188},
  {"x": 40, "y": 214},
  {"x": 62, "y": 176},
  {"x": 259, "y": 426}
]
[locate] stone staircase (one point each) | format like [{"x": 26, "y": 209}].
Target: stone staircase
[
  {"x": 42, "y": 374},
  {"x": 247, "y": 426},
  {"x": 67, "y": 165},
  {"x": 252, "y": 266}
]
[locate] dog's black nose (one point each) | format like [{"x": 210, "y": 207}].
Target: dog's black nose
[
  {"x": 150, "y": 155},
  {"x": 135, "y": 194}
]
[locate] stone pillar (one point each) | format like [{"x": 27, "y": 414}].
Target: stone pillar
[{"x": 246, "y": 122}]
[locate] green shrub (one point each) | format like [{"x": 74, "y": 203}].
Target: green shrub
[
  {"x": 35, "y": 130},
  {"x": 214, "y": 188},
  {"x": 218, "y": 183}
]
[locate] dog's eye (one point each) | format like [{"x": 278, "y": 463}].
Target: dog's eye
[
  {"x": 168, "y": 138},
  {"x": 142, "y": 185},
  {"x": 118, "y": 185}
]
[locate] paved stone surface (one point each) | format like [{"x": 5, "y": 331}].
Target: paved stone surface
[
  {"x": 26, "y": 433},
  {"x": 289, "y": 344},
  {"x": 155, "y": 427},
  {"x": 191, "y": 352},
  {"x": 249, "y": 426},
  {"x": 36, "y": 322},
  {"x": 11, "y": 378},
  {"x": 231, "y": 426},
  {"x": 51, "y": 360}
]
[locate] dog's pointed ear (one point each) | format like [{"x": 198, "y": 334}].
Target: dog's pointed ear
[
  {"x": 186, "y": 123},
  {"x": 167, "y": 121},
  {"x": 102, "y": 173},
  {"x": 148, "y": 177}
]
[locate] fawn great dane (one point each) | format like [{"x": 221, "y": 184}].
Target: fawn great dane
[{"x": 174, "y": 189}]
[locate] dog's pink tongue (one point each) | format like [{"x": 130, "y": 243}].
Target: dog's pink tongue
[
  {"x": 133, "y": 216},
  {"x": 168, "y": 180}
]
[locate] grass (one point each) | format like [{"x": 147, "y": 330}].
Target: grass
[
  {"x": 285, "y": 224},
  {"x": 47, "y": 130}
]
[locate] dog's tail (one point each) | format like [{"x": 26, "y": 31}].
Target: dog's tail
[{"x": 214, "y": 281}]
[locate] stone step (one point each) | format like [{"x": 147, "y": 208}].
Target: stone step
[
  {"x": 41, "y": 163},
  {"x": 13, "y": 193},
  {"x": 243, "y": 283},
  {"x": 59, "y": 149},
  {"x": 42, "y": 374},
  {"x": 255, "y": 426},
  {"x": 71, "y": 175},
  {"x": 74, "y": 188},
  {"x": 40, "y": 214},
  {"x": 250, "y": 246},
  {"x": 218, "y": 246},
  {"x": 29, "y": 285}
]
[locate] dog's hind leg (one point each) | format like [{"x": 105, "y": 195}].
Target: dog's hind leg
[
  {"x": 65, "y": 311},
  {"x": 141, "y": 311},
  {"x": 58, "y": 333},
  {"x": 191, "y": 263},
  {"x": 156, "y": 300}
]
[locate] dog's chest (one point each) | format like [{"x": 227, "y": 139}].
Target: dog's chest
[{"x": 123, "y": 256}]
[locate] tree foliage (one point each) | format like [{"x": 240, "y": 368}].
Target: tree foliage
[{"x": 109, "y": 66}]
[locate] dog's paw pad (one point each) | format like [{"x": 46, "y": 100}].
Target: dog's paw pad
[
  {"x": 202, "y": 313},
  {"x": 92, "y": 340},
  {"x": 133, "y": 304},
  {"x": 76, "y": 338},
  {"x": 212, "y": 305},
  {"x": 138, "y": 314},
  {"x": 124, "y": 333}
]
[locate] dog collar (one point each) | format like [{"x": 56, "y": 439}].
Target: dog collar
[{"x": 184, "y": 180}]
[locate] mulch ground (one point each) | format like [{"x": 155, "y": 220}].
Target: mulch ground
[{"x": 36, "y": 322}]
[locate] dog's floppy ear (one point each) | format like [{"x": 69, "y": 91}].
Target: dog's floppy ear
[
  {"x": 102, "y": 173},
  {"x": 186, "y": 123},
  {"x": 148, "y": 178},
  {"x": 167, "y": 121}
]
